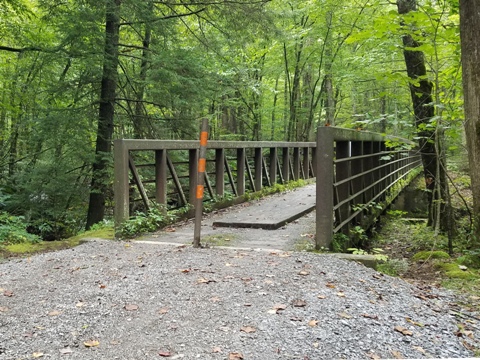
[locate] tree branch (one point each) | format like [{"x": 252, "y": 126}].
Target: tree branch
[
  {"x": 20, "y": 50},
  {"x": 163, "y": 18}
]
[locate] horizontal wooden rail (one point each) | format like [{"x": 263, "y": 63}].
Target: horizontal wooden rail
[
  {"x": 166, "y": 169},
  {"x": 357, "y": 178}
]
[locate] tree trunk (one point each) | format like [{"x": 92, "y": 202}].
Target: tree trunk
[
  {"x": 140, "y": 124},
  {"x": 274, "y": 109},
  {"x": 421, "y": 93},
  {"x": 100, "y": 178},
  {"x": 470, "y": 42}
]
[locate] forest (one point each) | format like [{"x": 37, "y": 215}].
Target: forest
[{"x": 77, "y": 74}]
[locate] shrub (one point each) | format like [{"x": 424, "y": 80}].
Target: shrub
[
  {"x": 13, "y": 230},
  {"x": 141, "y": 223}
]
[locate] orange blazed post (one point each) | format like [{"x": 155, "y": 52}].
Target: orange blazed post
[{"x": 202, "y": 164}]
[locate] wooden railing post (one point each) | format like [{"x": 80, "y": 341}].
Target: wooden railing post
[
  {"x": 220, "y": 172},
  {"x": 161, "y": 176},
  {"x": 357, "y": 168},
  {"x": 314, "y": 162},
  {"x": 296, "y": 163},
  {"x": 306, "y": 163},
  {"x": 368, "y": 178},
  {"x": 384, "y": 171},
  {"x": 273, "y": 165},
  {"x": 342, "y": 172},
  {"x": 121, "y": 186},
  {"x": 192, "y": 174},
  {"x": 324, "y": 188},
  {"x": 241, "y": 171},
  {"x": 286, "y": 164},
  {"x": 377, "y": 174},
  {"x": 258, "y": 169}
]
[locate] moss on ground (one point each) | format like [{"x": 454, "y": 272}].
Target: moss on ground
[
  {"x": 430, "y": 255},
  {"x": 452, "y": 271},
  {"x": 218, "y": 240},
  {"x": 470, "y": 261},
  {"x": 21, "y": 249}
]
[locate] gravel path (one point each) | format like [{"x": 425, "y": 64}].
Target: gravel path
[{"x": 119, "y": 300}]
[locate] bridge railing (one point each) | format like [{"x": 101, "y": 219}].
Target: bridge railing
[
  {"x": 165, "y": 171},
  {"x": 358, "y": 176}
]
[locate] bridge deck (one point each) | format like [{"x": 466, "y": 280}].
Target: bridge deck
[{"x": 279, "y": 210}]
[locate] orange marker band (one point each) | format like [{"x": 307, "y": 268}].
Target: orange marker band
[
  {"x": 199, "y": 192},
  {"x": 203, "y": 138},
  {"x": 202, "y": 163}
]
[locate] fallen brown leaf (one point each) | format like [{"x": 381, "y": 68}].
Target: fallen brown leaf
[
  {"x": 248, "y": 329},
  {"x": 413, "y": 322},
  {"x": 91, "y": 343},
  {"x": 345, "y": 315},
  {"x": 185, "y": 271},
  {"x": 54, "y": 313},
  {"x": 170, "y": 229},
  {"x": 341, "y": 294},
  {"x": 304, "y": 273},
  {"x": 299, "y": 303},
  {"x": 420, "y": 349},
  {"x": 321, "y": 297},
  {"x": 375, "y": 317},
  {"x": 330, "y": 285},
  {"x": 7, "y": 293},
  {"x": 37, "y": 355},
  {"x": 279, "y": 307},
  {"x": 3, "y": 309},
  {"x": 163, "y": 311},
  {"x": 313, "y": 323},
  {"x": 216, "y": 349},
  {"x": 396, "y": 354},
  {"x": 65, "y": 351},
  {"x": 165, "y": 353},
  {"x": 308, "y": 235},
  {"x": 403, "y": 330},
  {"x": 235, "y": 356},
  {"x": 204, "y": 281},
  {"x": 131, "y": 307}
]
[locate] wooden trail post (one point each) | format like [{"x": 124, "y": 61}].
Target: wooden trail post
[{"x": 202, "y": 164}]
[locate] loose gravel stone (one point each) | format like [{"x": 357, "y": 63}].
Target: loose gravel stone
[{"x": 120, "y": 300}]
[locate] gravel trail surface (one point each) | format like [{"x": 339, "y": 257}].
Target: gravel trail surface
[{"x": 127, "y": 300}]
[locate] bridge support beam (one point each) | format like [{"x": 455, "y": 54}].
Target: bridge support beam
[{"x": 324, "y": 189}]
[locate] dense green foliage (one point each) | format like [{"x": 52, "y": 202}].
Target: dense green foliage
[{"x": 259, "y": 70}]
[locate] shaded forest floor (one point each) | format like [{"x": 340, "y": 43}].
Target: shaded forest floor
[{"x": 418, "y": 256}]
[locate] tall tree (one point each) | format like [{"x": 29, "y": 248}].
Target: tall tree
[
  {"x": 421, "y": 89},
  {"x": 470, "y": 45},
  {"x": 100, "y": 177}
]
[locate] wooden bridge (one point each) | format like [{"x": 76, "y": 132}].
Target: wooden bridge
[{"x": 357, "y": 174}]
